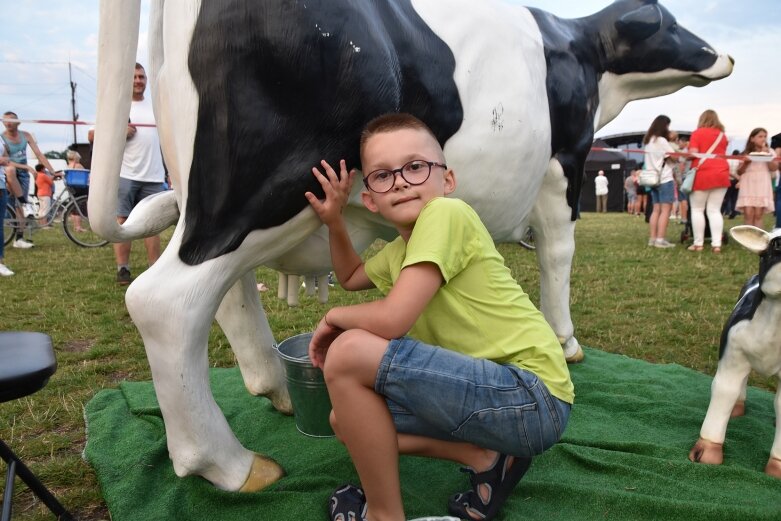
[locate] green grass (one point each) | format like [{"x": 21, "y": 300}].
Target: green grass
[{"x": 665, "y": 306}]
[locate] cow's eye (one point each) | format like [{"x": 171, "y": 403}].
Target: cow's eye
[{"x": 674, "y": 27}]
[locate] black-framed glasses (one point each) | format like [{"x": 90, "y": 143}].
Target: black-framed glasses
[{"x": 416, "y": 172}]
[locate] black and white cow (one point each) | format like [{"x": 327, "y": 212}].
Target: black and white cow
[
  {"x": 250, "y": 95},
  {"x": 751, "y": 339}
]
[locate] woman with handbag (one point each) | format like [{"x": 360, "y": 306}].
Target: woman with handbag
[
  {"x": 755, "y": 194},
  {"x": 656, "y": 149},
  {"x": 711, "y": 180}
]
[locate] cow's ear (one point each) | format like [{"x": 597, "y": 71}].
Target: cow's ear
[
  {"x": 750, "y": 237},
  {"x": 641, "y": 23}
]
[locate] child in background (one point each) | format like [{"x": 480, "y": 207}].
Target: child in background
[
  {"x": 454, "y": 360},
  {"x": 45, "y": 189},
  {"x": 755, "y": 188}
]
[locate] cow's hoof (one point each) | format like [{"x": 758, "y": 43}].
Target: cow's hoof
[
  {"x": 573, "y": 354},
  {"x": 263, "y": 473},
  {"x": 738, "y": 410},
  {"x": 281, "y": 401},
  {"x": 773, "y": 468},
  {"x": 707, "y": 452}
]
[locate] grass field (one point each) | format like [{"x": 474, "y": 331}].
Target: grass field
[{"x": 664, "y": 306}]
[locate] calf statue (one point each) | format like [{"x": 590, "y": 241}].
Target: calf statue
[
  {"x": 249, "y": 96},
  {"x": 751, "y": 340}
]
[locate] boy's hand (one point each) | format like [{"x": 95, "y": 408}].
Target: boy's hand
[
  {"x": 322, "y": 338},
  {"x": 337, "y": 192}
]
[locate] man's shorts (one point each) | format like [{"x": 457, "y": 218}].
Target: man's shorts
[
  {"x": 23, "y": 176},
  {"x": 132, "y": 192},
  {"x": 438, "y": 393}
]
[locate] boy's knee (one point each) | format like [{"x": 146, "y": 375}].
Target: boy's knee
[
  {"x": 339, "y": 358},
  {"x": 10, "y": 172}
]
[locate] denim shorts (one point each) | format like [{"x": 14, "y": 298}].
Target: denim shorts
[
  {"x": 23, "y": 176},
  {"x": 132, "y": 192},
  {"x": 438, "y": 393},
  {"x": 664, "y": 193}
]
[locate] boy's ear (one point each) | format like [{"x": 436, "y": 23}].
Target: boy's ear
[
  {"x": 450, "y": 181},
  {"x": 368, "y": 202}
]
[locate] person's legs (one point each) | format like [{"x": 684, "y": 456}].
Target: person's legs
[
  {"x": 43, "y": 212},
  {"x": 713, "y": 208},
  {"x": 122, "y": 249},
  {"x": 665, "y": 197},
  {"x": 697, "y": 200},
  {"x": 748, "y": 215},
  {"x": 23, "y": 182},
  {"x": 778, "y": 207},
  {"x": 664, "y": 218},
  {"x": 364, "y": 421},
  {"x": 2, "y": 228},
  {"x": 653, "y": 220},
  {"x": 152, "y": 244},
  {"x": 12, "y": 183},
  {"x": 500, "y": 416}
]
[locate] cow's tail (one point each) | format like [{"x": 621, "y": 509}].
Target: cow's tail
[{"x": 117, "y": 45}]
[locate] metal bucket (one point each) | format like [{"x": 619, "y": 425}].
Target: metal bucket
[{"x": 305, "y": 383}]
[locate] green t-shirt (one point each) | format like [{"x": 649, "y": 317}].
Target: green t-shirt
[{"x": 480, "y": 310}]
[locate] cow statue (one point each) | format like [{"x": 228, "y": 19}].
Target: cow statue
[
  {"x": 249, "y": 96},
  {"x": 751, "y": 340}
]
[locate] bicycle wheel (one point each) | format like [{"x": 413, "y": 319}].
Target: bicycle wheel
[
  {"x": 9, "y": 224},
  {"x": 76, "y": 225}
]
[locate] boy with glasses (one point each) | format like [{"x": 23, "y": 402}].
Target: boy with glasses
[{"x": 496, "y": 393}]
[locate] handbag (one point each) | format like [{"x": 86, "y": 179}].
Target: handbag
[
  {"x": 650, "y": 178},
  {"x": 687, "y": 186}
]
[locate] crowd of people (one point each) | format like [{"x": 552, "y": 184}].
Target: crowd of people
[
  {"x": 747, "y": 184},
  {"x": 142, "y": 175}
]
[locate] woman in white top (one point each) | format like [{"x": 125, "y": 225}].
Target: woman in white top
[{"x": 656, "y": 150}]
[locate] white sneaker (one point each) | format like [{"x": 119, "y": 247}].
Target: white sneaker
[
  {"x": 663, "y": 243},
  {"x": 23, "y": 244},
  {"x": 29, "y": 210},
  {"x": 651, "y": 242},
  {"x": 4, "y": 271}
]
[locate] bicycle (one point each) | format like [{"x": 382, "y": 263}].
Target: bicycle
[{"x": 68, "y": 206}]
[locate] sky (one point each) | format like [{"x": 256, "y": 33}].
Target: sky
[{"x": 46, "y": 35}]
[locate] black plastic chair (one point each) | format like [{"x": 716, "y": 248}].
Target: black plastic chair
[{"x": 26, "y": 363}]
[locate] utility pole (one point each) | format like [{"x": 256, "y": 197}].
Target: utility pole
[{"x": 73, "y": 101}]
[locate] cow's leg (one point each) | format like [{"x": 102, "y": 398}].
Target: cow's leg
[
  {"x": 245, "y": 324},
  {"x": 554, "y": 236},
  {"x": 173, "y": 306},
  {"x": 773, "y": 467},
  {"x": 740, "y": 405},
  {"x": 725, "y": 390}
]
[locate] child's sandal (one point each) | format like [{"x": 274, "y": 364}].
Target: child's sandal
[
  {"x": 499, "y": 482},
  {"x": 348, "y": 503}
]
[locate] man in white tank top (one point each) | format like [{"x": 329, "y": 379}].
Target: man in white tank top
[{"x": 142, "y": 172}]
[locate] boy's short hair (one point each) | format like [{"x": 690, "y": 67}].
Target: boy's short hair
[
  {"x": 39, "y": 167},
  {"x": 72, "y": 155},
  {"x": 390, "y": 122}
]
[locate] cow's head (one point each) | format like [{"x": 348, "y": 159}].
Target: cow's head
[
  {"x": 645, "y": 53},
  {"x": 768, "y": 247}
]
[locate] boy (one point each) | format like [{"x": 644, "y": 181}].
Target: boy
[{"x": 478, "y": 400}]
